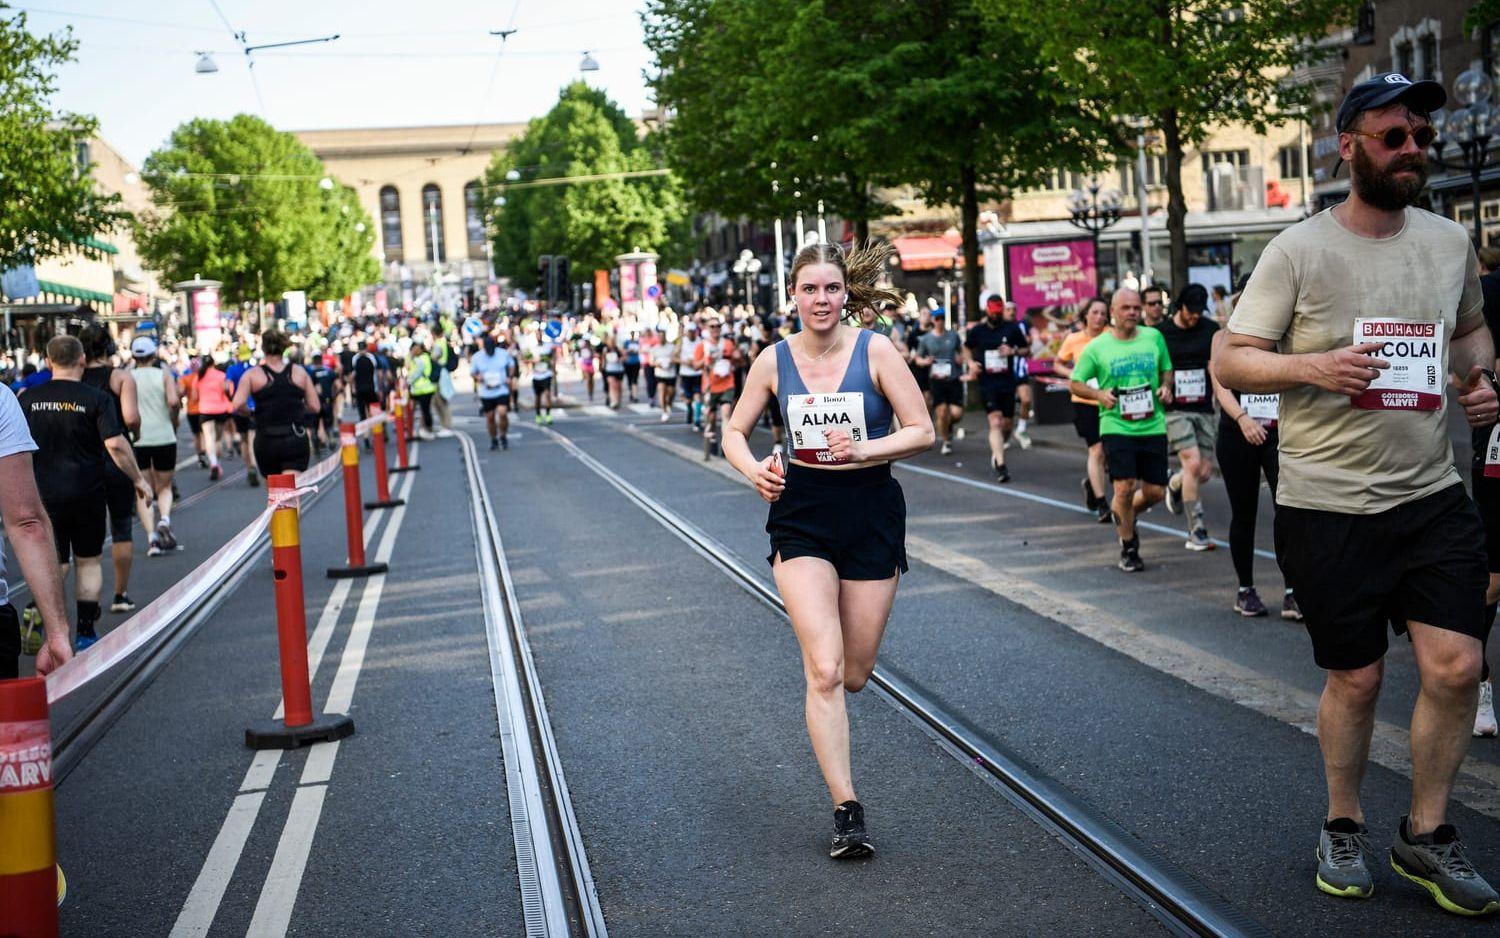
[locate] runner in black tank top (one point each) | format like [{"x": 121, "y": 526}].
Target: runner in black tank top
[
  {"x": 119, "y": 491},
  {"x": 284, "y": 396}
]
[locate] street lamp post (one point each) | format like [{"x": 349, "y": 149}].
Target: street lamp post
[
  {"x": 747, "y": 265},
  {"x": 1469, "y": 127},
  {"x": 1093, "y": 211}
]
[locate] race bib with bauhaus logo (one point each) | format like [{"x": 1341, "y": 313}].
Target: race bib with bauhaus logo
[
  {"x": 1414, "y": 348},
  {"x": 810, "y": 416}
]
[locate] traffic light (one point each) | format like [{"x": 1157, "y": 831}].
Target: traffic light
[
  {"x": 544, "y": 278},
  {"x": 562, "y": 291}
]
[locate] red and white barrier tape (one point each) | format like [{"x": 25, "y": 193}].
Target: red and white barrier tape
[{"x": 126, "y": 638}]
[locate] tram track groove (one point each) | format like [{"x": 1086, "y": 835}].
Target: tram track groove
[
  {"x": 558, "y": 894},
  {"x": 1182, "y": 904}
]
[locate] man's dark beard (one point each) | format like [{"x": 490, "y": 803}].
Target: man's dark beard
[{"x": 1385, "y": 190}]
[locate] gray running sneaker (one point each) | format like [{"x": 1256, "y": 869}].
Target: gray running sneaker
[
  {"x": 1343, "y": 848},
  {"x": 1440, "y": 866},
  {"x": 1198, "y": 539}
]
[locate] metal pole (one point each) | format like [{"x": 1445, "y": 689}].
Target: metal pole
[
  {"x": 1476, "y": 166},
  {"x": 1302, "y": 160},
  {"x": 801, "y": 235},
  {"x": 822, "y": 229},
  {"x": 1140, "y": 197},
  {"x": 780, "y": 267}
]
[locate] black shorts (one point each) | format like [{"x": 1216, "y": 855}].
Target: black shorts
[
  {"x": 281, "y": 450},
  {"x": 855, "y": 519},
  {"x": 999, "y": 398},
  {"x": 244, "y": 422},
  {"x": 717, "y": 399},
  {"x": 690, "y": 384},
  {"x": 119, "y": 495},
  {"x": 1487, "y": 500},
  {"x": 923, "y": 374},
  {"x": 1086, "y": 422},
  {"x": 1136, "y": 457},
  {"x": 947, "y": 391},
  {"x": 213, "y": 418},
  {"x": 540, "y": 386},
  {"x": 195, "y": 422},
  {"x": 487, "y": 404},
  {"x": 1356, "y": 574},
  {"x": 161, "y": 458},
  {"x": 78, "y": 527},
  {"x": 10, "y": 642}
]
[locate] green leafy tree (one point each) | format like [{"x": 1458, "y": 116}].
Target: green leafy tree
[
  {"x": 592, "y": 220},
  {"x": 756, "y": 115},
  {"x": 47, "y": 201},
  {"x": 1185, "y": 66},
  {"x": 241, "y": 202}
]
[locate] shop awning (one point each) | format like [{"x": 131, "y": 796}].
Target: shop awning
[
  {"x": 77, "y": 293},
  {"x": 930, "y": 252}
]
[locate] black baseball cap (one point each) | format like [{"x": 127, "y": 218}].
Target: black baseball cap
[
  {"x": 1388, "y": 88},
  {"x": 1194, "y": 296}
]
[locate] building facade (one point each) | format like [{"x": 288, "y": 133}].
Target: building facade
[
  {"x": 424, "y": 187},
  {"x": 1421, "y": 40}
]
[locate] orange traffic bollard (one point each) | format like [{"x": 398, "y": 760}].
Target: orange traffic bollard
[
  {"x": 382, "y": 472},
  {"x": 403, "y": 412},
  {"x": 354, "y": 516},
  {"x": 31, "y": 884},
  {"x": 300, "y": 726}
]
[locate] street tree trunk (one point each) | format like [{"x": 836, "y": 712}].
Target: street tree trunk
[
  {"x": 1176, "y": 202},
  {"x": 969, "y": 226}
]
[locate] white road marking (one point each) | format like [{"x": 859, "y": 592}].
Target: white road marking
[
  {"x": 597, "y": 410},
  {"x": 273, "y": 913},
  {"x": 202, "y": 905}
]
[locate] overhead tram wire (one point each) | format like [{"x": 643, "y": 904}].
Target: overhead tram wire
[{"x": 489, "y": 87}]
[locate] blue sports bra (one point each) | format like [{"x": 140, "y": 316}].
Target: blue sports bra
[{"x": 857, "y": 378}]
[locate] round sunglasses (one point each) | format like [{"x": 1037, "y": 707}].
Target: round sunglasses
[{"x": 1395, "y": 137}]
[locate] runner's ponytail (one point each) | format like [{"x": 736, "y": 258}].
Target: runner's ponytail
[{"x": 863, "y": 267}]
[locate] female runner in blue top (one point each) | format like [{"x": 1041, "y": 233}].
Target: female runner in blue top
[{"x": 837, "y": 520}]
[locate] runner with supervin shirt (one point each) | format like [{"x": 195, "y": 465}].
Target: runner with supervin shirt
[{"x": 837, "y": 521}]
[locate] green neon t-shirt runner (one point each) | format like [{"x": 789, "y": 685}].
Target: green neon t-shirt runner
[{"x": 1133, "y": 371}]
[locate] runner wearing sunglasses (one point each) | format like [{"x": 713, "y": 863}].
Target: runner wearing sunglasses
[{"x": 1356, "y": 316}]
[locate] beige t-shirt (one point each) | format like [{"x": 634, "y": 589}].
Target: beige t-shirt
[{"x": 1311, "y": 283}]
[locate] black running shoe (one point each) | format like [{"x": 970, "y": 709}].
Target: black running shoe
[
  {"x": 494, "y": 443},
  {"x": 505, "y": 442},
  {"x": 1130, "y": 556},
  {"x": 1090, "y": 500},
  {"x": 849, "y": 838},
  {"x": 1105, "y": 516},
  {"x": 251, "y": 477},
  {"x": 122, "y": 603},
  {"x": 1002, "y": 474}
]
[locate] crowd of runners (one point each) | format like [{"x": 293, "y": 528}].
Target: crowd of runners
[{"x": 1325, "y": 374}]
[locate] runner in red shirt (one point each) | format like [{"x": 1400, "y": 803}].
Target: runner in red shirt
[{"x": 716, "y": 357}]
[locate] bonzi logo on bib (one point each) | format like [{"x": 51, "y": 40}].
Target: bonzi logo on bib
[
  {"x": 1414, "y": 349},
  {"x": 811, "y": 416}
]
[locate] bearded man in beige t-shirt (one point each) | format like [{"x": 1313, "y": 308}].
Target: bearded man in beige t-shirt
[{"x": 1357, "y": 316}]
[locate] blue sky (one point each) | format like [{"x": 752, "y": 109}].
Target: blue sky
[{"x": 396, "y": 64}]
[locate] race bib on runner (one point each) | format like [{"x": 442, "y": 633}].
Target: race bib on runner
[
  {"x": 492, "y": 379},
  {"x": 1492, "y": 454},
  {"x": 942, "y": 371},
  {"x": 722, "y": 368},
  {"x": 1190, "y": 386},
  {"x": 611, "y": 358},
  {"x": 1264, "y": 409},
  {"x": 1137, "y": 403},
  {"x": 1414, "y": 348},
  {"x": 994, "y": 362},
  {"x": 810, "y": 416}
]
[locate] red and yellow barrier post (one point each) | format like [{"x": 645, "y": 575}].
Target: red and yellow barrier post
[
  {"x": 403, "y": 433},
  {"x": 383, "y": 497},
  {"x": 299, "y": 725},
  {"x": 354, "y": 516},
  {"x": 31, "y": 883}
]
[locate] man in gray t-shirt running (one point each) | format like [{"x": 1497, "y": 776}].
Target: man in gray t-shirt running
[{"x": 944, "y": 355}]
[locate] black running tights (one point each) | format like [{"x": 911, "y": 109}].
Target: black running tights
[{"x": 1242, "y": 465}]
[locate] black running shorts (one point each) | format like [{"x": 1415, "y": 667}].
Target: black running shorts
[
  {"x": 78, "y": 526},
  {"x": 690, "y": 384},
  {"x": 854, "y": 518},
  {"x": 282, "y": 450},
  {"x": 161, "y": 458},
  {"x": 947, "y": 391},
  {"x": 195, "y": 422},
  {"x": 1086, "y": 422},
  {"x": 487, "y": 404},
  {"x": 1357, "y": 574},
  {"x": 1000, "y": 399},
  {"x": 244, "y": 422},
  {"x": 1136, "y": 457},
  {"x": 1487, "y": 499},
  {"x": 119, "y": 494}
]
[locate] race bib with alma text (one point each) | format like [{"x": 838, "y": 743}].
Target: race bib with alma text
[{"x": 810, "y": 416}]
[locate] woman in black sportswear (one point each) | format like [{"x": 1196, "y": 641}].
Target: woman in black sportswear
[
  {"x": 285, "y": 398},
  {"x": 1246, "y": 451},
  {"x": 838, "y": 519}
]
